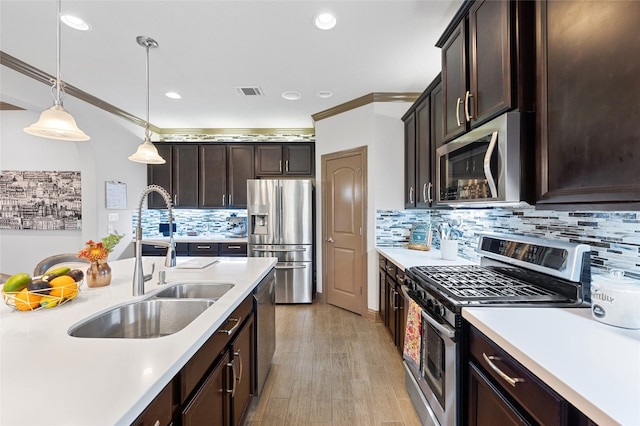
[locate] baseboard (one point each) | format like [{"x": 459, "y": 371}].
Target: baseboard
[{"x": 373, "y": 316}]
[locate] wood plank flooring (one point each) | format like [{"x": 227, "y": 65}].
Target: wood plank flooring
[{"x": 332, "y": 367}]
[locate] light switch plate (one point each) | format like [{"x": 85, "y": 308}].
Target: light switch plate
[{"x": 113, "y": 217}]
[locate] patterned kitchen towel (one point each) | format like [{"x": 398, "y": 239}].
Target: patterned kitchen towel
[{"x": 413, "y": 333}]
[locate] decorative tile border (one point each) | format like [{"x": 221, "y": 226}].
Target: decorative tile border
[{"x": 614, "y": 237}]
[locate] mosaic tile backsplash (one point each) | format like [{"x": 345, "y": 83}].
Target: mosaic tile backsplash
[
  {"x": 614, "y": 237},
  {"x": 199, "y": 221}
]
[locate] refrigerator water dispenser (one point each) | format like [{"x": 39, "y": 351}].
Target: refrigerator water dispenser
[{"x": 259, "y": 224}]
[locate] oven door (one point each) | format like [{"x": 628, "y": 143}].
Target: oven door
[{"x": 438, "y": 372}]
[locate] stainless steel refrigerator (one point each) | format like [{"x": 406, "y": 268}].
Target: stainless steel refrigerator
[{"x": 280, "y": 216}]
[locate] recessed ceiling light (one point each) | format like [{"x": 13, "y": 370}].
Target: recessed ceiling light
[
  {"x": 325, "y": 20},
  {"x": 324, "y": 94},
  {"x": 74, "y": 22},
  {"x": 292, "y": 95},
  {"x": 173, "y": 95}
]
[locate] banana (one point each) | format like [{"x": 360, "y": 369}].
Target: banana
[
  {"x": 49, "y": 301},
  {"x": 60, "y": 270}
]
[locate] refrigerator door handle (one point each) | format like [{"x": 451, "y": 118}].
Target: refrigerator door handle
[{"x": 291, "y": 267}]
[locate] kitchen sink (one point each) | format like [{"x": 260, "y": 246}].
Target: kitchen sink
[
  {"x": 143, "y": 319},
  {"x": 195, "y": 290}
]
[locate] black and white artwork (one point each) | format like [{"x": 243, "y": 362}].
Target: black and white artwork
[{"x": 42, "y": 200}]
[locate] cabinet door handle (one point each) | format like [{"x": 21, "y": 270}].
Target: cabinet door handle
[
  {"x": 230, "y": 203},
  {"x": 424, "y": 193},
  {"x": 232, "y": 329},
  {"x": 466, "y": 105},
  {"x": 511, "y": 380},
  {"x": 286, "y": 167},
  {"x": 175, "y": 199},
  {"x": 280, "y": 165},
  {"x": 203, "y": 247},
  {"x": 234, "y": 247},
  {"x": 223, "y": 199},
  {"x": 458, "y": 103},
  {"x": 234, "y": 380},
  {"x": 429, "y": 198},
  {"x": 411, "y": 195},
  {"x": 241, "y": 365}
]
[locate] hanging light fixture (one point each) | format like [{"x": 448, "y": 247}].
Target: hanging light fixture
[
  {"x": 56, "y": 122},
  {"x": 147, "y": 152}
]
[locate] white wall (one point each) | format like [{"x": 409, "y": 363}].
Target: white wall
[
  {"x": 102, "y": 158},
  {"x": 378, "y": 127}
]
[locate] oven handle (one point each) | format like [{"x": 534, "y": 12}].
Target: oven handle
[{"x": 442, "y": 329}]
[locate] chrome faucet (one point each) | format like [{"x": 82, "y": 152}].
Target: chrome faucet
[{"x": 138, "y": 274}]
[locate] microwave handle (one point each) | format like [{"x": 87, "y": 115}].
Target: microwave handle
[{"x": 487, "y": 165}]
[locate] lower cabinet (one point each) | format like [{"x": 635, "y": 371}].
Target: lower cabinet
[
  {"x": 501, "y": 391},
  {"x": 216, "y": 385},
  {"x": 199, "y": 249},
  {"x": 393, "y": 306}
]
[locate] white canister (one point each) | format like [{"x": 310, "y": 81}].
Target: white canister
[
  {"x": 449, "y": 249},
  {"x": 615, "y": 300}
]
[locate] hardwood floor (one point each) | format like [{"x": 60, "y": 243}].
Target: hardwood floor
[{"x": 332, "y": 367}]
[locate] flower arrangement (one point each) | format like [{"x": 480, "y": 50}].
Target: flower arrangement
[{"x": 99, "y": 251}]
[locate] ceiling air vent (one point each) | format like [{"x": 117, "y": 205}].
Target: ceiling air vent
[{"x": 249, "y": 91}]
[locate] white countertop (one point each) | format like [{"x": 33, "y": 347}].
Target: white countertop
[
  {"x": 48, "y": 377},
  {"x": 596, "y": 367},
  {"x": 404, "y": 258}
]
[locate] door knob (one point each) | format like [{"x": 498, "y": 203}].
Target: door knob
[{"x": 330, "y": 240}]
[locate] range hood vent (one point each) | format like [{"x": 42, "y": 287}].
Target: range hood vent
[{"x": 249, "y": 91}]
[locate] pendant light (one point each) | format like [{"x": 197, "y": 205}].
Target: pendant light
[
  {"x": 56, "y": 122},
  {"x": 147, "y": 152}
]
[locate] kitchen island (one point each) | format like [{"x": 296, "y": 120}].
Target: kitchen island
[{"x": 48, "y": 377}]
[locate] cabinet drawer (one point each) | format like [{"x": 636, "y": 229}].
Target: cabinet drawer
[
  {"x": 203, "y": 249},
  {"x": 391, "y": 269},
  {"x": 540, "y": 401},
  {"x": 233, "y": 249},
  {"x": 182, "y": 249},
  {"x": 195, "y": 369},
  {"x": 160, "y": 411},
  {"x": 382, "y": 261}
]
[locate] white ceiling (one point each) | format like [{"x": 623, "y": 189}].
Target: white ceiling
[{"x": 206, "y": 48}]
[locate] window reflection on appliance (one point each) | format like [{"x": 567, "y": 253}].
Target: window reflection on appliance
[
  {"x": 462, "y": 171},
  {"x": 433, "y": 361}
]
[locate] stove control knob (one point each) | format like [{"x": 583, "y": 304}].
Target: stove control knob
[{"x": 438, "y": 309}]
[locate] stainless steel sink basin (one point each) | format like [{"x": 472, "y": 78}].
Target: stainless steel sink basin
[
  {"x": 195, "y": 291},
  {"x": 144, "y": 319}
]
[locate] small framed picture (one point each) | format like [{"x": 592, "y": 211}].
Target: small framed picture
[{"x": 420, "y": 237}]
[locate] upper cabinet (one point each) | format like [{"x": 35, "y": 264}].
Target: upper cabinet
[
  {"x": 291, "y": 159},
  {"x": 589, "y": 141},
  {"x": 422, "y": 125},
  {"x": 203, "y": 175},
  {"x": 484, "y": 62}
]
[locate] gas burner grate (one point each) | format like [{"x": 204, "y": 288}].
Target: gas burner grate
[{"x": 471, "y": 282}]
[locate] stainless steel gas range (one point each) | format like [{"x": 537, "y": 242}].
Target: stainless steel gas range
[{"x": 514, "y": 270}]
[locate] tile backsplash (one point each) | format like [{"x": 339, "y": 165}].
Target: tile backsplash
[
  {"x": 200, "y": 221},
  {"x": 614, "y": 237}
]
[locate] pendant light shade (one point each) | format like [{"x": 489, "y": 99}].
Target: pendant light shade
[
  {"x": 147, "y": 152},
  {"x": 56, "y": 122}
]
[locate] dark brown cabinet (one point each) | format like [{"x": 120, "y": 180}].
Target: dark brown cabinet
[
  {"x": 292, "y": 159},
  {"x": 243, "y": 371},
  {"x": 210, "y": 405},
  {"x": 486, "y": 63},
  {"x": 203, "y": 175},
  {"x": 502, "y": 391},
  {"x": 233, "y": 249},
  {"x": 587, "y": 100},
  {"x": 160, "y": 411},
  {"x": 393, "y": 306},
  {"x": 382, "y": 299},
  {"x": 419, "y": 126}
]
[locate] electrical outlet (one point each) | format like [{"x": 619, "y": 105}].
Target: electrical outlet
[
  {"x": 113, "y": 217},
  {"x": 110, "y": 229}
]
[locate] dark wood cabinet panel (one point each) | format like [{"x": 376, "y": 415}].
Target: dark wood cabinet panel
[
  {"x": 423, "y": 154},
  {"x": 391, "y": 306},
  {"x": 291, "y": 159},
  {"x": 242, "y": 353},
  {"x": 240, "y": 168},
  {"x": 299, "y": 159},
  {"x": 160, "y": 174},
  {"x": 437, "y": 123},
  {"x": 213, "y": 176},
  {"x": 587, "y": 100},
  {"x": 489, "y": 60},
  {"x": 185, "y": 176},
  {"x": 210, "y": 405},
  {"x": 382, "y": 299},
  {"x": 269, "y": 160},
  {"x": 454, "y": 82},
  {"x": 160, "y": 411},
  {"x": 410, "y": 162},
  {"x": 233, "y": 249}
]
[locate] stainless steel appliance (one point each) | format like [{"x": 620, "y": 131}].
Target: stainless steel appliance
[
  {"x": 280, "y": 215},
  {"x": 265, "y": 305},
  {"x": 487, "y": 166},
  {"x": 513, "y": 270}
]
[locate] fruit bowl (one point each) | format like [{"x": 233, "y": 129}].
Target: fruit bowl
[{"x": 42, "y": 292}]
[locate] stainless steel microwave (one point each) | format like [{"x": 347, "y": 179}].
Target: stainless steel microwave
[{"x": 484, "y": 166}]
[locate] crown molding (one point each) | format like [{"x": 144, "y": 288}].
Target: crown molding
[{"x": 365, "y": 100}]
